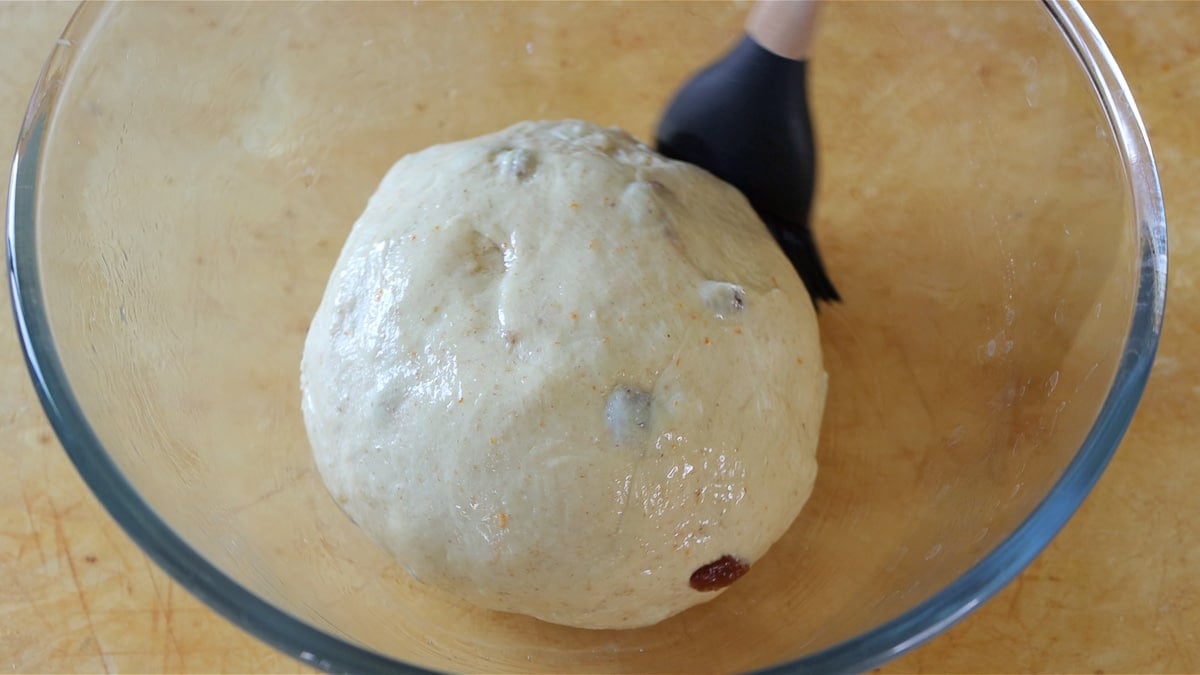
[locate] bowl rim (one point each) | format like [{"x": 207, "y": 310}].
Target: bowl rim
[{"x": 323, "y": 650}]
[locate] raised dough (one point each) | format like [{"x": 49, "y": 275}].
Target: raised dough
[{"x": 556, "y": 373}]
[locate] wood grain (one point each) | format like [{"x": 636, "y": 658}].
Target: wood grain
[{"x": 76, "y": 595}]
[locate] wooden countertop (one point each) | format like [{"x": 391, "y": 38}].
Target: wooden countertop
[{"x": 1116, "y": 592}]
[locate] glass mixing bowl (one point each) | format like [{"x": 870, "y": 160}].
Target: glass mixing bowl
[{"x": 987, "y": 205}]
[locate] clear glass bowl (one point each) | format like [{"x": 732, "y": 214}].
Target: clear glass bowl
[{"x": 987, "y": 205}]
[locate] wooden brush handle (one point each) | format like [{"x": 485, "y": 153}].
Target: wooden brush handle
[{"x": 783, "y": 27}]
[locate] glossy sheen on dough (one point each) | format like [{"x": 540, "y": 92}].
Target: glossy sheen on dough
[{"x": 555, "y": 373}]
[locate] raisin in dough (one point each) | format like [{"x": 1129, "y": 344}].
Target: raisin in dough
[{"x": 558, "y": 374}]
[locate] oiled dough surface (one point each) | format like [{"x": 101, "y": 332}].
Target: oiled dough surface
[{"x": 555, "y": 373}]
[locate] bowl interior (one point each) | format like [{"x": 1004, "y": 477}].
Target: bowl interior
[{"x": 204, "y": 162}]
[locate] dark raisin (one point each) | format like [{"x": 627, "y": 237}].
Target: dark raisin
[{"x": 718, "y": 574}]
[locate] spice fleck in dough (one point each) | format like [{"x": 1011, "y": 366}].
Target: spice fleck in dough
[{"x": 558, "y": 374}]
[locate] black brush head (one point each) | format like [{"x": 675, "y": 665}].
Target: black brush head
[{"x": 745, "y": 120}]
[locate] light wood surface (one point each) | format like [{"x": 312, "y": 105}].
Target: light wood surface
[{"x": 1116, "y": 592}]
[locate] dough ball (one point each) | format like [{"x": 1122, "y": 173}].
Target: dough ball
[{"x": 558, "y": 374}]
